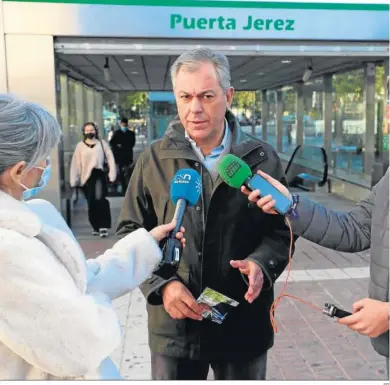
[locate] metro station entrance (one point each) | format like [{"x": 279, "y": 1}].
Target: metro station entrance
[
  {"x": 319, "y": 67},
  {"x": 304, "y": 96}
]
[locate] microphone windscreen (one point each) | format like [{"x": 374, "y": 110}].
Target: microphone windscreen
[
  {"x": 233, "y": 170},
  {"x": 186, "y": 184}
]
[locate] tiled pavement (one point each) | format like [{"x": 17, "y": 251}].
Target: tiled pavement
[{"x": 308, "y": 345}]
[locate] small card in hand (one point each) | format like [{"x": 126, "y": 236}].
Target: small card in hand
[{"x": 219, "y": 305}]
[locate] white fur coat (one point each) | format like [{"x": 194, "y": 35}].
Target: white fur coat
[{"x": 56, "y": 317}]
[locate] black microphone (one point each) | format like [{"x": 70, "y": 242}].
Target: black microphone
[{"x": 333, "y": 311}]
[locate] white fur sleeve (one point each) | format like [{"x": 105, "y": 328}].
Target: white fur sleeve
[
  {"x": 44, "y": 318},
  {"x": 124, "y": 267}
]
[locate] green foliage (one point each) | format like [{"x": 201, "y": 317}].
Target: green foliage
[
  {"x": 243, "y": 99},
  {"x": 289, "y": 101},
  {"x": 349, "y": 90},
  {"x": 133, "y": 99},
  {"x": 379, "y": 84},
  {"x": 349, "y": 86}
]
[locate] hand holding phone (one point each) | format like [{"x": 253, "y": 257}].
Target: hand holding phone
[
  {"x": 272, "y": 200},
  {"x": 237, "y": 174},
  {"x": 265, "y": 194}
]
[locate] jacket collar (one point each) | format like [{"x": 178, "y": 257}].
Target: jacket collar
[
  {"x": 174, "y": 144},
  {"x": 15, "y": 215}
]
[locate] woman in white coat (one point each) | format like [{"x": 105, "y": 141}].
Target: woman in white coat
[{"x": 56, "y": 316}]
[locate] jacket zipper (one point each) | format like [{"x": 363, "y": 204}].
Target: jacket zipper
[
  {"x": 203, "y": 230},
  {"x": 202, "y": 247}
]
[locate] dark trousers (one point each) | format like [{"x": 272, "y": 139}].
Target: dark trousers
[
  {"x": 171, "y": 368},
  {"x": 95, "y": 191},
  {"x": 124, "y": 175}
]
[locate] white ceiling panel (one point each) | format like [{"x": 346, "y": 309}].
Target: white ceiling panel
[{"x": 147, "y": 71}]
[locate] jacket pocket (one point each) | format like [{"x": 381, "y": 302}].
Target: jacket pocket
[{"x": 162, "y": 210}]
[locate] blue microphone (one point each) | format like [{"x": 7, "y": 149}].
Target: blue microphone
[{"x": 186, "y": 187}]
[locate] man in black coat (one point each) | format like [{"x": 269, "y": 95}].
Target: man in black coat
[
  {"x": 122, "y": 144},
  {"x": 230, "y": 247}
]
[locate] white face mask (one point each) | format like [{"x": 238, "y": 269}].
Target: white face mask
[{"x": 30, "y": 192}]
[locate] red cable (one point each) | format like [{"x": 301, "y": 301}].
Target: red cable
[{"x": 282, "y": 294}]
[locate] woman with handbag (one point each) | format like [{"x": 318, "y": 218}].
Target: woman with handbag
[{"x": 90, "y": 160}]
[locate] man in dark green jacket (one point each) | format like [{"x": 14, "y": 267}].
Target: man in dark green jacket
[{"x": 219, "y": 229}]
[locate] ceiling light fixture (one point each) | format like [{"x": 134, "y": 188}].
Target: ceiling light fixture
[
  {"x": 261, "y": 73},
  {"x": 243, "y": 80},
  {"x": 134, "y": 73},
  {"x": 106, "y": 71},
  {"x": 286, "y": 61},
  {"x": 129, "y": 60}
]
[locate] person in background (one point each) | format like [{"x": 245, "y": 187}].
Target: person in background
[
  {"x": 110, "y": 133},
  {"x": 122, "y": 144},
  {"x": 364, "y": 227},
  {"x": 57, "y": 320},
  {"x": 88, "y": 171}
]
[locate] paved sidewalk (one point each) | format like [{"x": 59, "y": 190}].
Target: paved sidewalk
[{"x": 308, "y": 345}]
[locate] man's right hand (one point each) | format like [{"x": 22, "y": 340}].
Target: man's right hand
[{"x": 179, "y": 303}]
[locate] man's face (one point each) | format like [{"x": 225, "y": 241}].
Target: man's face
[{"x": 201, "y": 102}]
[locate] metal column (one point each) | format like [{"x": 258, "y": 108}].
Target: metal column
[
  {"x": 300, "y": 112},
  {"x": 385, "y": 124},
  {"x": 369, "y": 104},
  {"x": 264, "y": 114},
  {"x": 253, "y": 123},
  {"x": 98, "y": 106},
  {"x": 328, "y": 114},
  {"x": 279, "y": 121}
]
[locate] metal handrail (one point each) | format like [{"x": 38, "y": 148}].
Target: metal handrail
[{"x": 324, "y": 159}]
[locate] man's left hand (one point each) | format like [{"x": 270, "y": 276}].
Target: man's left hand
[
  {"x": 255, "y": 277},
  {"x": 370, "y": 317}
]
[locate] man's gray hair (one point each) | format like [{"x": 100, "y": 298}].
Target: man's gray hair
[
  {"x": 191, "y": 61},
  {"x": 28, "y": 132}
]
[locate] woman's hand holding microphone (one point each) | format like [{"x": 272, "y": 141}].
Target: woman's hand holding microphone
[{"x": 162, "y": 231}]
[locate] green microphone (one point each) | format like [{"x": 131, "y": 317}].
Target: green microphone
[{"x": 236, "y": 173}]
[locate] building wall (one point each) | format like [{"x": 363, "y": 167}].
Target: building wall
[
  {"x": 3, "y": 72},
  {"x": 31, "y": 76},
  {"x": 240, "y": 20}
]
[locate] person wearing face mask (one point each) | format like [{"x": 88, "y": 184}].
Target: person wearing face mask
[
  {"x": 122, "y": 144},
  {"x": 56, "y": 316},
  {"x": 87, "y": 171}
]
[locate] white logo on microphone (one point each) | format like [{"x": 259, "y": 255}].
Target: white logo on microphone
[{"x": 182, "y": 178}]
